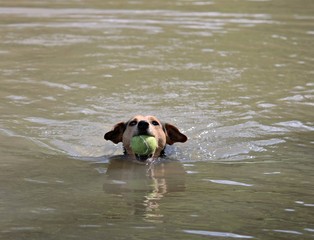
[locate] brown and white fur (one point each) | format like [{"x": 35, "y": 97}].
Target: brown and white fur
[{"x": 164, "y": 133}]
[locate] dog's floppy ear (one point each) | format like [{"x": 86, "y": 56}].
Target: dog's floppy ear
[
  {"x": 173, "y": 134},
  {"x": 115, "y": 135}
]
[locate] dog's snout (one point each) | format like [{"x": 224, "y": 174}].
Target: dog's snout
[{"x": 142, "y": 125}]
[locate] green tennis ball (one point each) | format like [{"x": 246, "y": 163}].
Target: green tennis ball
[{"x": 143, "y": 145}]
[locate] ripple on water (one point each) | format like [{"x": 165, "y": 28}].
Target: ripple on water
[
  {"x": 235, "y": 142},
  {"x": 288, "y": 231},
  {"x": 229, "y": 182},
  {"x": 149, "y": 21},
  {"x": 217, "y": 234},
  {"x": 23, "y": 229},
  {"x": 295, "y": 125}
]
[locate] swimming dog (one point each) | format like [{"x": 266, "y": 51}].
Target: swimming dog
[{"x": 164, "y": 133}]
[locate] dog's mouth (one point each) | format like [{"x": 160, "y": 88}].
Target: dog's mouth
[
  {"x": 139, "y": 133},
  {"x": 142, "y": 158}
]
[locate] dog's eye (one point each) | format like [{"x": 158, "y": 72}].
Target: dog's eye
[
  {"x": 155, "y": 123},
  {"x": 132, "y": 123}
]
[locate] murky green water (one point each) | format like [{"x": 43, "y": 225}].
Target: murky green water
[{"x": 235, "y": 76}]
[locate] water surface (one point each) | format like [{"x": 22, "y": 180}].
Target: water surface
[{"x": 235, "y": 76}]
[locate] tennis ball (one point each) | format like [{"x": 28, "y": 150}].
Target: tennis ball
[{"x": 143, "y": 145}]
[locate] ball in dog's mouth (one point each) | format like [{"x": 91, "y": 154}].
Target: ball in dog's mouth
[{"x": 144, "y": 145}]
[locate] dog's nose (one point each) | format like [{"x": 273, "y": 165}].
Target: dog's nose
[{"x": 142, "y": 125}]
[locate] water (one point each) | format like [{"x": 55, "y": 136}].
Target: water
[{"x": 235, "y": 76}]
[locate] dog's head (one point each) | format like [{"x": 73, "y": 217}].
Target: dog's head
[{"x": 164, "y": 133}]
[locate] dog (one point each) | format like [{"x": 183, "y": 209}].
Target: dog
[{"x": 164, "y": 133}]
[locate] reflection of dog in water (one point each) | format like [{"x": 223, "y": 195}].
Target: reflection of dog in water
[
  {"x": 164, "y": 133},
  {"x": 143, "y": 186}
]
